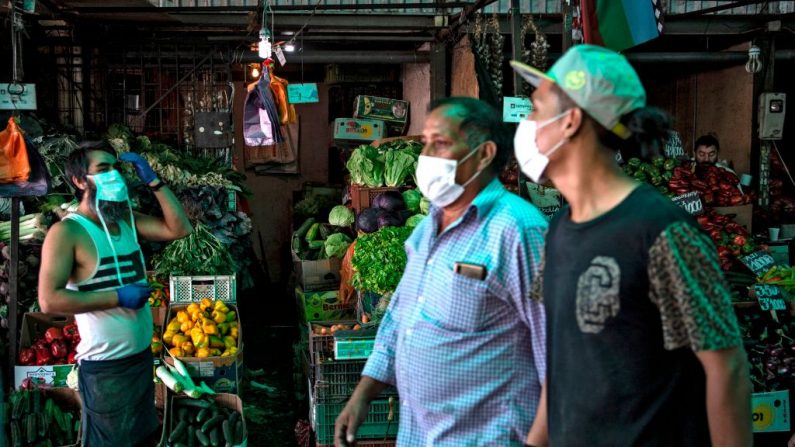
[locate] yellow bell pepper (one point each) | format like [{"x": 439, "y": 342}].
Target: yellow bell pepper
[
  {"x": 205, "y": 304},
  {"x": 173, "y": 325},
  {"x": 216, "y": 342},
  {"x": 178, "y": 339},
  {"x": 192, "y": 307},
  {"x": 233, "y": 332},
  {"x": 196, "y": 315},
  {"x": 232, "y": 350},
  {"x": 231, "y": 316},
  {"x": 177, "y": 352},
  {"x": 167, "y": 336},
  {"x": 209, "y": 327},
  {"x": 187, "y": 347},
  {"x": 196, "y": 335},
  {"x": 215, "y": 352},
  {"x": 226, "y": 354},
  {"x": 186, "y": 326},
  {"x": 223, "y": 328},
  {"x": 202, "y": 352},
  {"x": 182, "y": 316},
  {"x": 221, "y": 306},
  {"x": 218, "y": 316},
  {"x": 230, "y": 342}
]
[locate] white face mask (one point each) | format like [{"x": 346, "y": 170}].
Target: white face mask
[
  {"x": 532, "y": 162},
  {"x": 436, "y": 179}
]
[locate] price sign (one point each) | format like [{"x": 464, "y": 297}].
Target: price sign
[
  {"x": 770, "y": 411},
  {"x": 515, "y": 109},
  {"x": 770, "y": 297},
  {"x": 691, "y": 202},
  {"x": 302, "y": 93},
  {"x": 280, "y": 56},
  {"x": 17, "y": 96},
  {"x": 759, "y": 262}
]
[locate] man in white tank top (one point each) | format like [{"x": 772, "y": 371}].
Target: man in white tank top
[{"x": 92, "y": 267}]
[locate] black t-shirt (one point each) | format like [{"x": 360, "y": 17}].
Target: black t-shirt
[{"x": 630, "y": 296}]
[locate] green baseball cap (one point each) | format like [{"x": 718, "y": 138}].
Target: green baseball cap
[{"x": 598, "y": 80}]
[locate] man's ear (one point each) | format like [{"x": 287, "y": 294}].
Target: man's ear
[
  {"x": 573, "y": 122},
  {"x": 489, "y": 151},
  {"x": 80, "y": 184}
]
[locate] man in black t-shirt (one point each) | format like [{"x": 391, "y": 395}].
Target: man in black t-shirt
[{"x": 642, "y": 342}]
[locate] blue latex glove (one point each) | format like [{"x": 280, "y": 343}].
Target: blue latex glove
[
  {"x": 133, "y": 296},
  {"x": 142, "y": 168}
]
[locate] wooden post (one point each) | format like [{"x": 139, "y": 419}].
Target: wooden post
[{"x": 516, "y": 43}]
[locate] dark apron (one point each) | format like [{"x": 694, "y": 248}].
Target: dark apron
[{"x": 118, "y": 401}]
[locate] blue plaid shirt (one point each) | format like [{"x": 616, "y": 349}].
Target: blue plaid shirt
[{"x": 467, "y": 355}]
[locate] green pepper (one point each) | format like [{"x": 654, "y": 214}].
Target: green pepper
[
  {"x": 634, "y": 162},
  {"x": 640, "y": 176},
  {"x": 658, "y": 162},
  {"x": 670, "y": 164}
]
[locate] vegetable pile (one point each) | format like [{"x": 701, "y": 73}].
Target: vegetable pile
[
  {"x": 205, "y": 329},
  {"x": 658, "y": 173},
  {"x": 159, "y": 296},
  {"x": 781, "y": 276},
  {"x": 389, "y": 209},
  {"x": 392, "y": 163},
  {"x": 314, "y": 240},
  {"x": 35, "y": 420},
  {"x": 200, "y": 253},
  {"x": 57, "y": 346},
  {"x": 379, "y": 259},
  {"x": 731, "y": 238},
  {"x": 202, "y": 423},
  {"x": 177, "y": 378},
  {"x": 771, "y": 352}
]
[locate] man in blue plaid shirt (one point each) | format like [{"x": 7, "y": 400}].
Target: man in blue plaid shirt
[{"x": 462, "y": 341}]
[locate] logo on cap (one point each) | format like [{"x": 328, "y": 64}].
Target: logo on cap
[{"x": 574, "y": 80}]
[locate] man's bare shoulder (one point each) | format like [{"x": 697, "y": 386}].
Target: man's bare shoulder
[{"x": 66, "y": 231}]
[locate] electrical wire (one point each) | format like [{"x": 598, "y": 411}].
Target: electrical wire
[
  {"x": 783, "y": 163},
  {"x": 303, "y": 27}
]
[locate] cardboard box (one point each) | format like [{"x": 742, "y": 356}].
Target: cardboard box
[
  {"x": 322, "y": 274},
  {"x": 225, "y": 400},
  {"x": 222, "y": 374},
  {"x": 322, "y": 305},
  {"x": 394, "y": 112},
  {"x": 358, "y": 130},
  {"x": 34, "y": 324},
  {"x": 743, "y": 214}
]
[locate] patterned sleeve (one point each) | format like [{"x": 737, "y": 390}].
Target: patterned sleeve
[{"x": 689, "y": 289}]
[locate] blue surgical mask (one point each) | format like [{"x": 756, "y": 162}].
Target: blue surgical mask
[{"x": 111, "y": 187}]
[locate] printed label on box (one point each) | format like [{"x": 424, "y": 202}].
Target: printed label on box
[{"x": 770, "y": 411}]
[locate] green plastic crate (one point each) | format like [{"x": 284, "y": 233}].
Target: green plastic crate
[
  {"x": 353, "y": 348},
  {"x": 377, "y": 425}
]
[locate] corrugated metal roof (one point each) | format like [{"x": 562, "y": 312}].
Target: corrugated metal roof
[{"x": 673, "y": 7}]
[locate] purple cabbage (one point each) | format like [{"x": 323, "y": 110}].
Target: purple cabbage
[
  {"x": 367, "y": 221},
  {"x": 389, "y": 219},
  {"x": 390, "y": 201}
]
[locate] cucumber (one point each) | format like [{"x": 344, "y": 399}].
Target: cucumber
[
  {"x": 233, "y": 418},
  {"x": 325, "y": 231},
  {"x": 16, "y": 435},
  {"x": 43, "y": 425},
  {"x": 202, "y": 438},
  {"x": 179, "y": 444},
  {"x": 30, "y": 428},
  {"x": 178, "y": 432},
  {"x": 196, "y": 403},
  {"x": 215, "y": 420},
  {"x": 182, "y": 414},
  {"x": 215, "y": 437},
  {"x": 203, "y": 415},
  {"x": 191, "y": 436},
  {"x": 239, "y": 432},
  {"x": 315, "y": 245},
  {"x": 311, "y": 235},
  {"x": 304, "y": 228},
  {"x": 227, "y": 429}
]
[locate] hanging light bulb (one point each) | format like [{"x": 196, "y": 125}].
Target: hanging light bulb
[
  {"x": 255, "y": 71},
  {"x": 289, "y": 47},
  {"x": 265, "y": 50},
  {"x": 754, "y": 65}
]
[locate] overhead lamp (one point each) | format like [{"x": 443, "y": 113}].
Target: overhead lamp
[
  {"x": 289, "y": 47},
  {"x": 255, "y": 71},
  {"x": 264, "y": 48},
  {"x": 754, "y": 65}
]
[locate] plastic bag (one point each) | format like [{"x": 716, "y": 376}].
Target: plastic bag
[{"x": 14, "y": 163}]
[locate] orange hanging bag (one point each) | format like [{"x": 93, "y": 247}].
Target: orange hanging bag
[{"x": 14, "y": 163}]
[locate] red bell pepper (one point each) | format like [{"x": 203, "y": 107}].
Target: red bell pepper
[
  {"x": 71, "y": 357},
  {"x": 53, "y": 333},
  {"x": 724, "y": 252},
  {"x": 739, "y": 240},
  {"x": 727, "y": 187},
  {"x": 58, "y": 349},
  {"x": 69, "y": 331},
  {"x": 737, "y": 200},
  {"x": 43, "y": 356},
  {"x": 708, "y": 198},
  {"x": 700, "y": 185},
  {"x": 27, "y": 356}
]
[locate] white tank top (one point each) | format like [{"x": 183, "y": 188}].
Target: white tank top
[{"x": 114, "y": 333}]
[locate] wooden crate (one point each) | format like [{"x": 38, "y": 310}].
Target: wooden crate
[{"x": 362, "y": 196}]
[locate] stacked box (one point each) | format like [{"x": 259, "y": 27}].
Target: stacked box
[
  {"x": 322, "y": 305},
  {"x": 34, "y": 324},
  {"x": 393, "y": 112}
]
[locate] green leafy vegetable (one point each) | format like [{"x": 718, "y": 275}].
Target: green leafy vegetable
[
  {"x": 379, "y": 259},
  {"x": 414, "y": 220},
  {"x": 366, "y": 166},
  {"x": 425, "y": 205},
  {"x": 200, "y": 253},
  {"x": 399, "y": 164},
  {"x": 341, "y": 216},
  {"x": 336, "y": 245},
  {"x": 412, "y": 197}
]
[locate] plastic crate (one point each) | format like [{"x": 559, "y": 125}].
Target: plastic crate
[
  {"x": 362, "y": 196},
  {"x": 321, "y": 347},
  {"x": 335, "y": 382},
  {"x": 368, "y": 443},
  {"x": 353, "y": 348},
  {"x": 189, "y": 289},
  {"x": 381, "y": 422}
]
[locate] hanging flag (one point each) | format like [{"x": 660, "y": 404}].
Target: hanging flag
[{"x": 620, "y": 24}]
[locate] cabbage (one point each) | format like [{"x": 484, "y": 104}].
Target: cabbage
[
  {"x": 341, "y": 216},
  {"x": 412, "y": 198},
  {"x": 414, "y": 220},
  {"x": 389, "y": 219},
  {"x": 425, "y": 205},
  {"x": 336, "y": 245},
  {"x": 390, "y": 201},
  {"x": 399, "y": 164},
  {"x": 367, "y": 222}
]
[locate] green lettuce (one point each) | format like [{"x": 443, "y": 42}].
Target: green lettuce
[
  {"x": 366, "y": 166},
  {"x": 399, "y": 165},
  {"x": 379, "y": 259}
]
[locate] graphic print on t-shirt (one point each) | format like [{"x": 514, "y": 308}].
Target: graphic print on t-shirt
[{"x": 597, "y": 294}]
